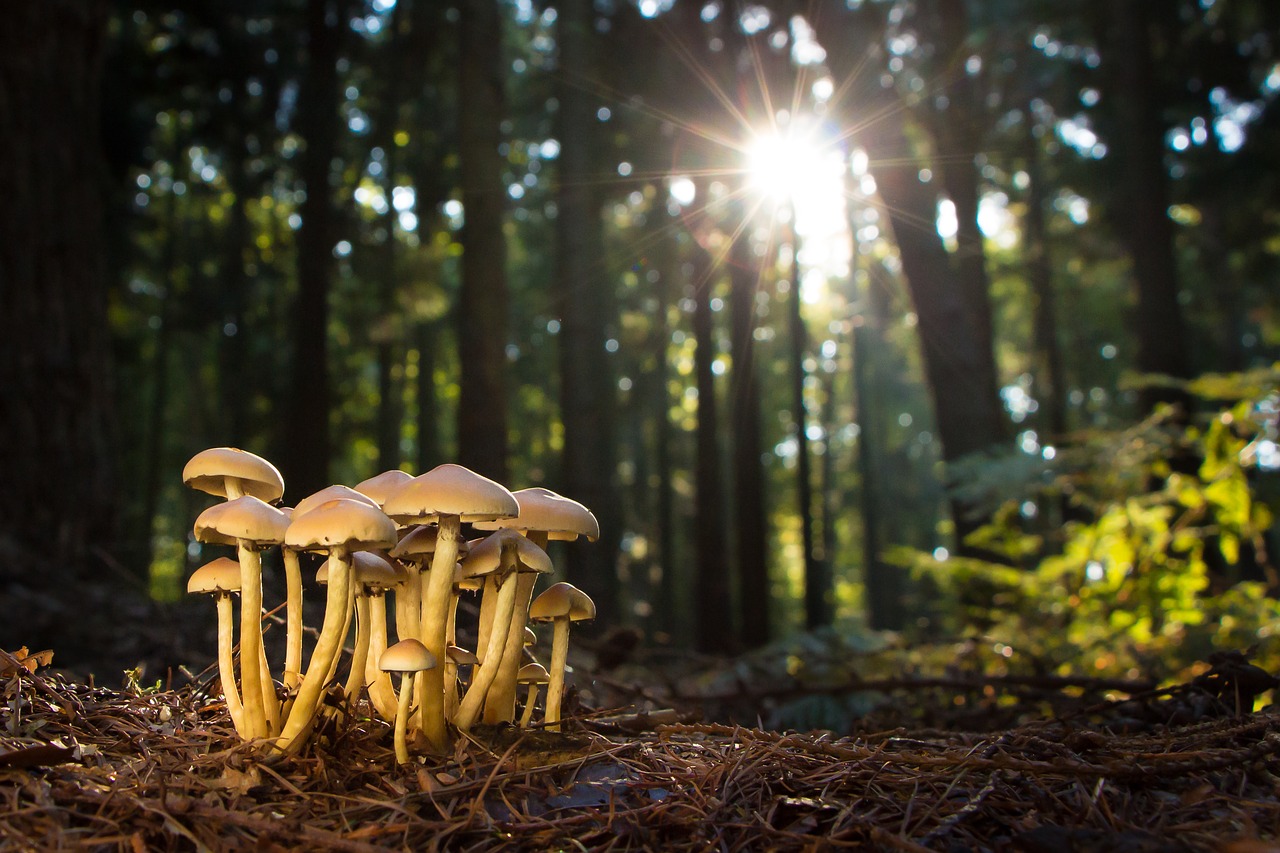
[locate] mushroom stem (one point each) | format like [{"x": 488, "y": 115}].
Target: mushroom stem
[
  {"x": 559, "y": 660},
  {"x": 409, "y": 605},
  {"x": 270, "y": 701},
  {"x": 227, "y": 665},
  {"x": 500, "y": 705},
  {"x": 302, "y": 714},
  {"x": 435, "y": 603},
  {"x": 483, "y": 677},
  {"x": 381, "y": 692},
  {"x": 530, "y": 698},
  {"x": 356, "y": 678},
  {"x": 293, "y": 619},
  {"x": 252, "y": 699},
  {"x": 488, "y": 599},
  {"x": 407, "y": 682}
]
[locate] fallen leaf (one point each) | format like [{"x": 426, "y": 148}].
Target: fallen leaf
[
  {"x": 30, "y": 661},
  {"x": 42, "y": 755}
]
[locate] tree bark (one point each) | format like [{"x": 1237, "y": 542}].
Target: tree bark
[
  {"x": 583, "y": 300},
  {"x": 482, "y": 300},
  {"x": 56, "y": 416},
  {"x": 307, "y": 435}
]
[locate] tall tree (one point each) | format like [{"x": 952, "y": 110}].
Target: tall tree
[
  {"x": 307, "y": 441},
  {"x": 482, "y": 299},
  {"x": 582, "y": 299},
  {"x": 56, "y": 414}
]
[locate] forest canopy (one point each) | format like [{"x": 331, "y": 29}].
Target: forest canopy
[{"x": 933, "y": 316}]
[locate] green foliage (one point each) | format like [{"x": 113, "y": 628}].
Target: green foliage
[{"x": 1152, "y": 570}]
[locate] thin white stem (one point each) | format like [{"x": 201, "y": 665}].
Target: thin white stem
[
  {"x": 381, "y": 692},
  {"x": 407, "y": 681},
  {"x": 226, "y": 662},
  {"x": 559, "y": 660},
  {"x": 356, "y": 678},
  {"x": 484, "y": 676},
  {"x": 251, "y": 679},
  {"x": 435, "y": 603},
  {"x": 500, "y": 705},
  {"x": 293, "y": 619},
  {"x": 530, "y": 698}
]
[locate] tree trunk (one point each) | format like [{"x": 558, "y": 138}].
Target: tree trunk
[
  {"x": 1050, "y": 374},
  {"x": 748, "y": 471},
  {"x": 583, "y": 300},
  {"x": 482, "y": 300},
  {"x": 307, "y": 438},
  {"x": 55, "y": 418}
]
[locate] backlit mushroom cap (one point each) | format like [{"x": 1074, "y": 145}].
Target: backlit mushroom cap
[
  {"x": 461, "y": 657},
  {"x": 375, "y": 571},
  {"x": 420, "y": 542},
  {"x": 406, "y": 656},
  {"x": 486, "y": 556},
  {"x": 331, "y": 493},
  {"x": 209, "y": 469},
  {"x": 560, "y": 600},
  {"x": 216, "y": 576},
  {"x": 450, "y": 490},
  {"x": 543, "y": 509},
  {"x": 530, "y": 638},
  {"x": 243, "y": 519},
  {"x": 466, "y": 582},
  {"x": 379, "y": 487},
  {"x": 341, "y": 523},
  {"x": 533, "y": 673}
]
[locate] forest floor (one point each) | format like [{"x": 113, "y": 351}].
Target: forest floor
[{"x": 1143, "y": 769}]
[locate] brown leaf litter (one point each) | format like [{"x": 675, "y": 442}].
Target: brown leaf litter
[{"x": 85, "y": 768}]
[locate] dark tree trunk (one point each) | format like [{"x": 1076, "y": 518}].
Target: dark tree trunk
[
  {"x": 55, "y": 414},
  {"x": 1143, "y": 199},
  {"x": 583, "y": 300},
  {"x": 713, "y": 631},
  {"x": 307, "y": 438},
  {"x": 664, "y": 518},
  {"x": 482, "y": 300},
  {"x": 748, "y": 470},
  {"x": 1050, "y": 374}
]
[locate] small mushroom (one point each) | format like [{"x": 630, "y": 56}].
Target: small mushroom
[
  {"x": 407, "y": 657},
  {"x": 531, "y": 674},
  {"x": 373, "y": 574},
  {"x": 221, "y": 578},
  {"x": 560, "y": 604},
  {"x": 229, "y": 472},
  {"x": 455, "y": 658}
]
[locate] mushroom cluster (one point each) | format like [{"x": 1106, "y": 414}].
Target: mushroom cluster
[{"x": 399, "y": 535}]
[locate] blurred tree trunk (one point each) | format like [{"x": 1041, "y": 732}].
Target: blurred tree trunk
[
  {"x": 1050, "y": 374},
  {"x": 55, "y": 419},
  {"x": 1143, "y": 198},
  {"x": 748, "y": 470},
  {"x": 307, "y": 434},
  {"x": 583, "y": 300},
  {"x": 668, "y": 598},
  {"x": 482, "y": 299}
]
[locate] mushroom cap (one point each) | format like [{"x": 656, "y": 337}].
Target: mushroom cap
[
  {"x": 406, "y": 656},
  {"x": 420, "y": 542},
  {"x": 379, "y": 486},
  {"x": 562, "y": 600},
  {"x": 533, "y": 673},
  {"x": 461, "y": 656},
  {"x": 530, "y": 638},
  {"x": 542, "y": 509},
  {"x": 209, "y": 469},
  {"x": 341, "y": 523},
  {"x": 486, "y": 555},
  {"x": 244, "y": 519},
  {"x": 450, "y": 490},
  {"x": 216, "y": 576},
  {"x": 329, "y": 493},
  {"x": 372, "y": 570}
]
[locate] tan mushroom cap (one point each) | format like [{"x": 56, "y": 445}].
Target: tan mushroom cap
[
  {"x": 420, "y": 541},
  {"x": 371, "y": 570},
  {"x": 465, "y": 582},
  {"x": 245, "y": 519},
  {"x": 380, "y": 486},
  {"x": 341, "y": 523},
  {"x": 216, "y": 576},
  {"x": 533, "y": 673},
  {"x": 330, "y": 493},
  {"x": 461, "y": 656},
  {"x": 449, "y": 490},
  {"x": 560, "y": 600},
  {"x": 544, "y": 510},
  {"x": 209, "y": 469},
  {"x": 486, "y": 555},
  {"x": 406, "y": 656},
  {"x": 530, "y": 638}
]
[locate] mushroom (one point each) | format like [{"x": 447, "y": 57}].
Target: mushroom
[
  {"x": 229, "y": 472},
  {"x": 340, "y": 527},
  {"x": 560, "y": 604},
  {"x": 379, "y": 487},
  {"x": 331, "y": 493},
  {"x": 293, "y": 613},
  {"x": 446, "y": 495},
  {"x": 251, "y": 525},
  {"x": 531, "y": 674},
  {"x": 544, "y": 515},
  {"x": 373, "y": 575},
  {"x": 455, "y": 657},
  {"x": 407, "y": 657},
  {"x": 505, "y": 555},
  {"x": 220, "y": 578}
]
